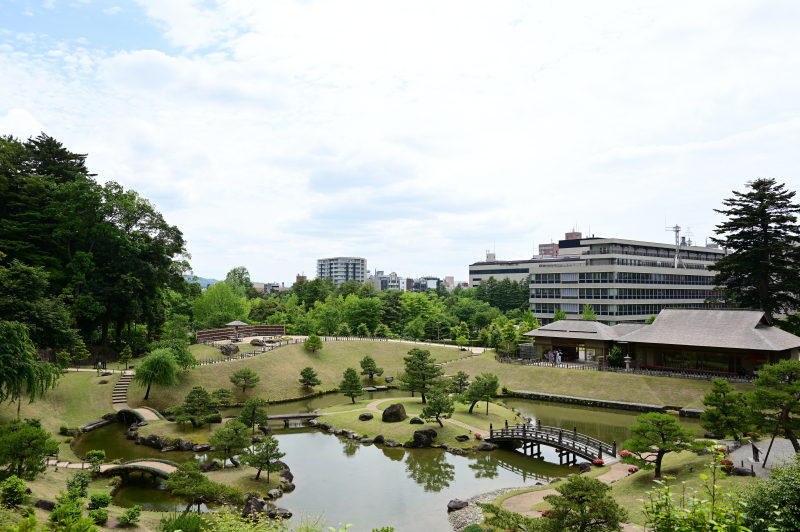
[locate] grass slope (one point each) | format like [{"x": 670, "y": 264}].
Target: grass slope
[
  {"x": 78, "y": 399},
  {"x": 591, "y": 384},
  {"x": 280, "y": 371}
]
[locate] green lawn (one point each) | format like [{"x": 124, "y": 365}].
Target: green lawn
[
  {"x": 591, "y": 384},
  {"x": 280, "y": 370},
  {"x": 79, "y": 398}
]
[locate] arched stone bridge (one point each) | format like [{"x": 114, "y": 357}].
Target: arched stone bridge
[
  {"x": 157, "y": 468},
  {"x": 569, "y": 443}
]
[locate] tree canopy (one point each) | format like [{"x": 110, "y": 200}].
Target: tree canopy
[
  {"x": 351, "y": 385},
  {"x": 421, "y": 372},
  {"x": 22, "y": 373},
  {"x": 158, "y": 368}
]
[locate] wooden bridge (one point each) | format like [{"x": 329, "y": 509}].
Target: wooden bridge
[
  {"x": 569, "y": 443},
  {"x": 286, "y": 418}
]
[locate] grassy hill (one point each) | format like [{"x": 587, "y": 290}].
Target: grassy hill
[{"x": 280, "y": 371}]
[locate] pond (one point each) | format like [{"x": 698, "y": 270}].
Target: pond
[{"x": 406, "y": 489}]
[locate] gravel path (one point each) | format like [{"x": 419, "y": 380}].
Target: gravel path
[
  {"x": 781, "y": 452},
  {"x": 460, "y": 519}
]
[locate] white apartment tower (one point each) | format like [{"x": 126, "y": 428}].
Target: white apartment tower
[{"x": 342, "y": 269}]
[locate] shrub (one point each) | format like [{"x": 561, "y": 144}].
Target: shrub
[
  {"x": 130, "y": 516},
  {"x": 99, "y": 516},
  {"x": 473, "y": 528},
  {"x": 71, "y": 509},
  {"x": 772, "y": 504},
  {"x": 63, "y": 430},
  {"x": 68, "y": 439},
  {"x": 727, "y": 466},
  {"x": 478, "y": 436},
  {"x": 13, "y": 491},
  {"x": 625, "y": 454},
  {"x": 80, "y": 483},
  {"x": 632, "y": 470},
  {"x": 99, "y": 500},
  {"x": 505, "y": 390},
  {"x": 598, "y": 462},
  {"x": 184, "y": 523}
]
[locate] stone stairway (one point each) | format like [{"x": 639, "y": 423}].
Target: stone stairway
[{"x": 119, "y": 397}]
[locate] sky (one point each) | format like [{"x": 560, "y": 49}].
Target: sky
[{"x": 415, "y": 134}]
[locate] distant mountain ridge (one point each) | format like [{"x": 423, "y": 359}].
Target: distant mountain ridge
[{"x": 202, "y": 280}]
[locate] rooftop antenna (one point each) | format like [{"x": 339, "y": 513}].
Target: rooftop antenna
[
  {"x": 677, "y": 262},
  {"x": 689, "y": 236}
]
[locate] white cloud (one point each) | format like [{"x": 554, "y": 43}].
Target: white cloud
[
  {"x": 19, "y": 123},
  {"x": 419, "y": 134},
  {"x": 112, "y": 10}
]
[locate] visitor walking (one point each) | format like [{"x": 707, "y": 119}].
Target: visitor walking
[{"x": 558, "y": 361}]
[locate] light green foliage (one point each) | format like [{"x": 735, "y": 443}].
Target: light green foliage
[
  {"x": 772, "y": 504},
  {"x": 99, "y": 500},
  {"x": 125, "y": 356},
  {"x": 367, "y": 311},
  {"x": 96, "y": 457},
  {"x": 70, "y": 507},
  {"x": 459, "y": 383},
  {"x": 223, "y": 397},
  {"x": 263, "y": 456},
  {"x": 421, "y": 373},
  {"x": 483, "y": 338},
  {"x": 616, "y": 358},
  {"x": 559, "y": 315},
  {"x": 22, "y": 373},
  {"x": 313, "y": 343},
  {"x": 239, "y": 280},
  {"x": 778, "y": 391},
  {"x": 381, "y": 331},
  {"x": 462, "y": 341},
  {"x": 585, "y": 504},
  {"x": 308, "y": 377},
  {"x": 193, "y": 487},
  {"x": 12, "y": 491},
  {"x": 651, "y": 319},
  {"x": 130, "y": 516},
  {"x": 483, "y": 388},
  {"x": 218, "y": 305},
  {"x": 245, "y": 378},
  {"x": 254, "y": 412},
  {"x": 369, "y": 367},
  {"x": 184, "y": 523},
  {"x": 197, "y": 408},
  {"x": 440, "y": 406},
  {"x": 158, "y": 368},
  {"x": 709, "y": 510},
  {"x": 506, "y": 520},
  {"x": 63, "y": 359},
  {"x": 99, "y": 516},
  {"x": 227, "y": 521},
  {"x": 233, "y": 435},
  {"x": 79, "y": 352},
  {"x": 23, "y": 447},
  {"x": 506, "y": 295},
  {"x": 655, "y": 436},
  {"x": 588, "y": 313},
  {"x": 351, "y": 385},
  {"x": 362, "y": 331},
  {"x": 509, "y": 339},
  {"x": 726, "y": 413}
]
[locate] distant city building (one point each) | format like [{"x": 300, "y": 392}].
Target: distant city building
[
  {"x": 299, "y": 278},
  {"x": 516, "y": 270},
  {"x": 384, "y": 281},
  {"x": 268, "y": 288},
  {"x": 409, "y": 284},
  {"x": 449, "y": 281},
  {"x": 548, "y": 250},
  {"x": 342, "y": 269},
  {"x": 423, "y": 284}
]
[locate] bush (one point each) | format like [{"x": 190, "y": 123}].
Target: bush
[
  {"x": 79, "y": 482},
  {"x": 772, "y": 504},
  {"x": 598, "y": 462},
  {"x": 68, "y": 439},
  {"x": 63, "y": 430},
  {"x": 13, "y": 491},
  {"x": 183, "y": 523},
  {"x": 99, "y": 500},
  {"x": 473, "y": 528},
  {"x": 69, "y": 510},
  {"x": 130, "y": 516},
  {"x": 99, "y": 516},
  {"x": 727, "y": 466}
]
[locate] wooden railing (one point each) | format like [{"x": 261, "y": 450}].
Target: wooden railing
[{"x": 566, "y": 440}]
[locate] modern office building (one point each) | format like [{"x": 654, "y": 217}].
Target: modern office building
[
  {"x": 623, "y": 280},
  {"x": 548, "y": 250},
  {"x": 342, "y": 269},
  {"x": 516, "y": 270}
]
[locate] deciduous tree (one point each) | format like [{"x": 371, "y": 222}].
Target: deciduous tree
[
  {"x": 158, "y": 368},
  {"x": 22, "y": 373},
  {"x": 125, "y": 356}
]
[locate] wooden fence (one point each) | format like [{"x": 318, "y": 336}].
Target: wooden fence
[{"x": 214, "y": 335}]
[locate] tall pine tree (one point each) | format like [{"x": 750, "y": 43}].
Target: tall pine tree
[{"x": 762, "y": 237}]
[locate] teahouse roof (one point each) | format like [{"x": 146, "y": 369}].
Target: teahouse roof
[
  {"x": 576, "y": 329},
  {"x": 720, "y": 328},
  {"x": 236, "y": 323}
]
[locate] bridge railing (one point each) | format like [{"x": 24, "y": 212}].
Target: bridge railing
[{"x": 557, "y": 437}]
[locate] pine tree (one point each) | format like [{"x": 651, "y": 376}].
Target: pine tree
[
  {"x": 727, "y": 413},
  {"x": 79, "y": 353},
  {"x": 421, "y": 372},
  {"x": 762, "y": 237},
  {"x": 459, "y": 383},
  {"x": 584, "y": 503},
  {"x": 369, "y": 367},
  {"x": 776, "y": 400},
  {"x": 655, "y": 436},
  {"x": 264, "y": 456},
  {"x": 351, "y": 385},
  {"x": 125, "y": 356},
  {"x": 308, "y": 377},
  {"x": 313, "y": 343},
  {"x": 223, "y": 397},
  {"x": 197, "y": 408},
  {"x": 483, "y": 388},
  {"x": 440, "y": 406},
  {"x": 230, "y": 437},
  {"x": 254, "y": 412},
  {"x": 245, "y": 378}
]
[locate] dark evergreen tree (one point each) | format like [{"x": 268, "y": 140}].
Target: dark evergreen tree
[
  {"x": 351, "y": 385},
  {"x": 762, "y": 236},
  {"x": 421, "y": 372},
  {"x": 727, "y": 412}
]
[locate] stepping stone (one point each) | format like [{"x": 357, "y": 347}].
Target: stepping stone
[{"x": 370, "y": 389}]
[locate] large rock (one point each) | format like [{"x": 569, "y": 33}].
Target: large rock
[
  {"x": 185, "y": 445},
  {"x": 462, "y": 437},
  {"x": 265, "y": 430},
  {"x": 456, "y": 504},
  {"x": 131, "y": 435},
  {"x": 170, "y": 418},
  {"x": 168, "y": 449},
  {"x": 584, "y": 467},
  {"x": 416, "y": 421},
  {"x": 275, "y": 493},
  {"x": 366, "y": 440},
  {"x": 253, "y": 509},
  {"x": 285, "y": 473},
  {"x": 742, "y": 472},
  {"x": 48, "y": 506},
  {"x": 378, "y": 439},
  {"x": 485, "y": 446},
  {"x": 110, "y": 415},
  {"x": 424, "y": 438},
  {"x": 229, "y": 349},
  {"x": 281, "y": 464},
  {"x": 279, "y": 513},
  {"x": 154, "y": 441},
  {"x": 140, "y": 439},
  {"x": 394, "y": 413},
  {"x": 287, "y": 486},
  {"x": 325, "y": 426},
  {"x": 142, "y": 423},
  {"x": 391, "y": 443},
  {"x": 259, "y": 343},
  {"x": 205, "y": 467},
  {"x": 201, "y": 448},
  {"x": 366, "y": 416},
  {"x": 456, "y": 450}
]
